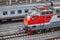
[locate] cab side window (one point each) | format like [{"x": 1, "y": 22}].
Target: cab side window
[
  {"x": 47, "y": 12},
  {"x": 58, "y": 16},
  {"x": 58, "y": 11},
  {"x": 44, "y": 13},
  {"x": 51, "y": 12},
  {"x": 26, "y": 10}
]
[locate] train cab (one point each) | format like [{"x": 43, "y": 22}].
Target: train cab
[
  {"x": 37, "y": 17},
  {"x": 46, "y": 17}
]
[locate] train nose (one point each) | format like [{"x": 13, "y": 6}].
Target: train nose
[{"x": 25, "y": 21}]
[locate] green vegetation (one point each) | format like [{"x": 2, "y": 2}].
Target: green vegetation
[{"x": 3, "y": 1}]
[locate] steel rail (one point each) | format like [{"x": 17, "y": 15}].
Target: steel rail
[{"x": 18, "y": 35}]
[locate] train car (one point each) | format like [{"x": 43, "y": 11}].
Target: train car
[
  {"x": 17, "y": 11},
  {"x": 42, "y": 18}
]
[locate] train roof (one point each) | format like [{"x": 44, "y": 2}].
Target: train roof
[
  {"x": 22, "y": 5},
  {"x": 25, "y": 5}
]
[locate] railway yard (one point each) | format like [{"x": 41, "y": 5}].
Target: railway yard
[
  {"x": 9, "y": 31},
  {"x": 41, "y": 21}
]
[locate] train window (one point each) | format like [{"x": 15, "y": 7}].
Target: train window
[
  {"x": 26, "y": 10},
  {"x": 50, "y": 12},
  {"x": 19, "y": 11},
  {"x": 47, "y": 12},
  {"x": 58, "y": 16},
  {"x": 43, "y": 13},
  {"x": 12, "y": 12},
  {"x": 57, "y": 10},
  {"x": 4, "y": 12},
  {"x": 33, "y": 9}
]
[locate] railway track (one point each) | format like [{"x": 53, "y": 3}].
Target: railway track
[
  {"x": 54, "y": 38},
  {"x": 19, "y": 34},
  {"x": 6, "y": 22},
  {"x": 3, "y": 37},
  {"x": 13, "y": 36}
]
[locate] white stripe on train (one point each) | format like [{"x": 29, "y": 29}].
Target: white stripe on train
[{"x": 53, "y": 19}]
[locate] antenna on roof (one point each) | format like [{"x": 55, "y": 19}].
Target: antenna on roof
[{"x": 51, "y": 1}]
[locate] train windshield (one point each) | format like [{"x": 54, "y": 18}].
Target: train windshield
[
  {"x": 34, "y": 13},
  {"x": 38, "y": 13},
  {"x": 47, "y": 12}
]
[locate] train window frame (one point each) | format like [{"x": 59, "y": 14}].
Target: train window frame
[
  {"x": 51, "y": 12},
  {"x": 33, "y": 9},
  {"x": 42, "y": 13},
  {"x": 58, "y": 16},
  {"x": 19, "y": 11},
  {"x": 46, "y": 12},
  {"x": 5, "y": 12},
  {"x": 26, "y": 10},
  {"x": 12, "y": 12},
  {"x": 57, "y": 11}
]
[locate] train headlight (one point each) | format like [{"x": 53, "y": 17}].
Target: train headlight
[{"x": 28, "y": 17}]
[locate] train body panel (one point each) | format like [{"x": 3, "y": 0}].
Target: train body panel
[
  {"x": 40, "y": 19},
  {"x": 43, "y": 19},
  {"x": 39, "y": 27},
  {"x": 53, "y": 23},
  {"x": 17, "y": 11}
]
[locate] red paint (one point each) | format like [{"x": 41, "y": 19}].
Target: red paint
[
  {"x": 40, "y": 19},
  {"x": 42, "y": 8},
  {"x": 30, "y": 32}
]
